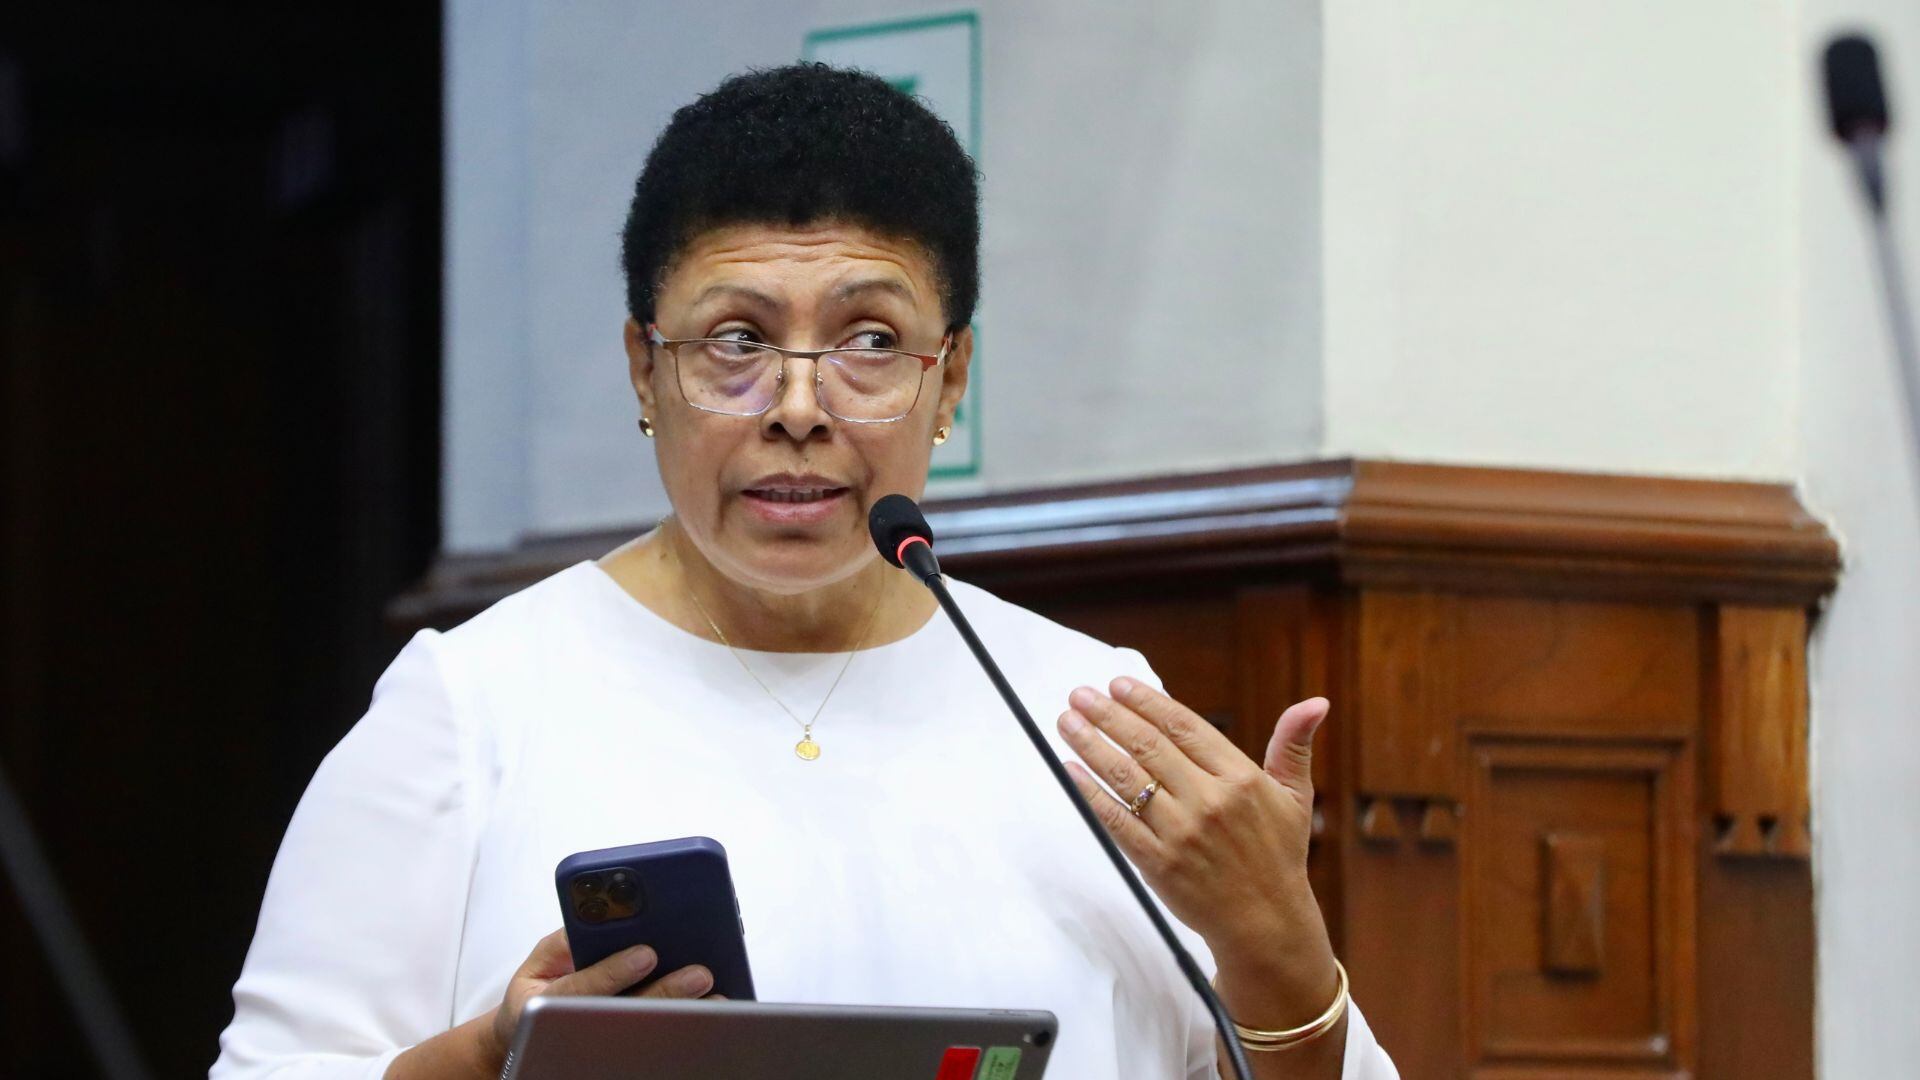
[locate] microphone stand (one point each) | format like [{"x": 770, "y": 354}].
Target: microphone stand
[
  {"x": 106, "y": 1030},
  {"x": 920, "y": 557},
  {"x": 1865, "y": 149}
]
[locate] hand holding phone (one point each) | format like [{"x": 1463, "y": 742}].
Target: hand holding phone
[
  {"x": 675, "y": 896},
  {"x": 549, "y": 969}
]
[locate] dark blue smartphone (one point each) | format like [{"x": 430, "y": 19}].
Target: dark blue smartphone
[{"x": 675, "y": 895}]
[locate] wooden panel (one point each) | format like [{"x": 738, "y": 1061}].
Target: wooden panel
[
  {"x": 1756, "y": 967},
  {"x": 1574, "y": 877},
  {"x": 1616, "y": 817},
  {"x": 1407, "y": 724},
  {"x": 1401, "y": 914},
  {"x": 1272, "y": 627},
  {"x": 1757, "y": 732},
  {"x": 1579, "y": 667},
  {"x": 1187, "y": 637}
]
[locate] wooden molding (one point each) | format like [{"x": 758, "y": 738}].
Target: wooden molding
[
  {"x": 1534, "y": 531},
  {"x": 1367, "y": 522}
]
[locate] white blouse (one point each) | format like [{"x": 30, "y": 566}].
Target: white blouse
[{"x": 926, "y": 858}]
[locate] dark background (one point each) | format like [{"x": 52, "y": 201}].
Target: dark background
[{"x": 219, "y": 312}]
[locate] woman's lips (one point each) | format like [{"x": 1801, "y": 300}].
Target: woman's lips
[{"x": 794, "y": 505}]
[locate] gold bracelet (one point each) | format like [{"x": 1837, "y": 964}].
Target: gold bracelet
[{"x": 1269, "y": 1041}]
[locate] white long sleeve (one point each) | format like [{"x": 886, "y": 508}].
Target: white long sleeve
[
  {"x": 417, "y": 872},
  {"x": 354, "y": 957},
  {"x": 1365, "y": 1060}
]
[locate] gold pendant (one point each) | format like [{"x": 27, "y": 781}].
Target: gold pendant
[{"x": 807, "y": 749}]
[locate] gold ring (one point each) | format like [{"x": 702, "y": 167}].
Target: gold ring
[{"x": 1139, "y": 802}]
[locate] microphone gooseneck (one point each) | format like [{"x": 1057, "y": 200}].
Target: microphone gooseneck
[
  {"x": 1857, "y": 111},
  {"x": 903, "y": 537}
]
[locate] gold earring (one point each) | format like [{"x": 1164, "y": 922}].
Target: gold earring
[
  {"x": 940, "y": 434},
  {"x": 646, "y": 427}
]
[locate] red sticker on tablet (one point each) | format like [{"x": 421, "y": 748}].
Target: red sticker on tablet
[{"x": 959, "y": 1063}]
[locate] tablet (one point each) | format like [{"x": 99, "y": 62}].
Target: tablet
[{"x": 581, "y": 1038}]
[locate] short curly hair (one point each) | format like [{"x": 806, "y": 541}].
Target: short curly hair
[{"x": 797, "y": 145}]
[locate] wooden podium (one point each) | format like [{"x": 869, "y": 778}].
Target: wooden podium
[{"x": 1563, "y": 821}]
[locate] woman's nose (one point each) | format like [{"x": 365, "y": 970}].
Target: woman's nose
[{"x": 796, "y": 412}]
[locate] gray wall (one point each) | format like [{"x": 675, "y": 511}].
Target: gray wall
[{"x": 1151, "y": 299}]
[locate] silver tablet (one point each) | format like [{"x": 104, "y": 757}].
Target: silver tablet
[{"x": 588, "y": 1038}]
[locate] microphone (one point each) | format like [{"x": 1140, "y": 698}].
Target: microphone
[
  {"x": 1857, "y": 108},
  {"x": 903, "y": 537}
]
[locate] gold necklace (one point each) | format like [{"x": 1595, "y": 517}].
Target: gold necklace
[{"x": 806, "y": 749}]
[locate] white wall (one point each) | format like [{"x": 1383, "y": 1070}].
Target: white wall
[
  {"x": 1858, "y": 471},
  {"x": 1150, "y": 299},
  {"x": 1561, "y": 234}
]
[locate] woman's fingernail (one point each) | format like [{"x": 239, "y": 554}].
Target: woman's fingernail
[
  {"x": 1071, "y": 722},
  {"x": 641, "y": 960},
  {"x": 1123, "y": 686},
  {"x": 697, "y": 980},
  {"x": 1084, "y": 697}
]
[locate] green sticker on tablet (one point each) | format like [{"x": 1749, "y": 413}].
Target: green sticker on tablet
[{"x": 999, "y": 1063}]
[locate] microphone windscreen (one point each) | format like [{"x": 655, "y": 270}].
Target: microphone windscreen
[
  {"x": 1856, "y": 102},
  {"x": 893, "y": 520}
]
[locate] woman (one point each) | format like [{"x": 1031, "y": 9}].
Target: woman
[{"x": 801, "y": 264}]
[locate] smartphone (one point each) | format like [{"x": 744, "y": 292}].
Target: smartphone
[{"x": 675, "y": 895}]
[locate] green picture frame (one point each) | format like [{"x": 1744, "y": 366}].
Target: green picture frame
[{"x": 819, "y": 45}]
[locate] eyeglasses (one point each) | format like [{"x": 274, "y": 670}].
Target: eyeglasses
[{"x": 745, "y": 378}]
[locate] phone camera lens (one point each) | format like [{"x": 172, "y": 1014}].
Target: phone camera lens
[
  {"x": 622, "y": 889},
  {"x": 587, "y": 885},
  {"x": 1042, "y": 1038},
  {"x": 594, "y": 910}
]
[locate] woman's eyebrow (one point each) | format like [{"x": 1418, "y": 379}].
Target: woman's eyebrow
[
  {"x": 742, "y": 292},
  {"x": 854, "y": 289}
]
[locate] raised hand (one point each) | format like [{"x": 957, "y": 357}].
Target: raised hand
[{"x": 1220, "y": 838}]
